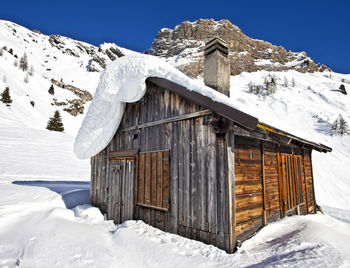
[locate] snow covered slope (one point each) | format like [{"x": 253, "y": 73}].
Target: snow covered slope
[
  {"x": 38, "y": 230},
  {"x": 73, "y": 68},
  {"x": 54, "y": 57}
]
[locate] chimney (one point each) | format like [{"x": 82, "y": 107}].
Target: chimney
[{"x": 217, "y": 66}]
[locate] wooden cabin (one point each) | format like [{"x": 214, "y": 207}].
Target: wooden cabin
[{"x": 192, "y": 166}]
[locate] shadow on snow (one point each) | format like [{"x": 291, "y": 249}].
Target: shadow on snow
[{"x": 74, "y": 193}]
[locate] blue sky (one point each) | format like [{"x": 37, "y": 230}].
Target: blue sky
[{"x": 321, "y": 28}]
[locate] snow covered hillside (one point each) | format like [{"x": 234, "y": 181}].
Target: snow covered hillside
[
  {"x": 45, "y": 218},
  {"x": 73, "y": 69}
]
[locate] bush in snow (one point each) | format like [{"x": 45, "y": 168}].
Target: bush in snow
[
  {"x": 23, "y": 63},
  {"x": 342, "y": 89},
  {"x": 293, "y": 82},
  {"x": 26, "y": 78},
  {"x": 268, "y": 88},
  {"x": 31, "y": 71},
  {"x": 32, "y": 103},
  {"x": 1, "y": 51},
  {"x": 285, "y": 83},
  {"x": 340, "y": 126},
  {"x": 52, "y": 90},
  {"x": 5, "y": 96},
  {"x": 11, "y": 51},
  {"x": 15, "y": 63},
  {"x": 257, "y": 89},
  {"x": 55, "y": 122},
  {"x": 270, "y": 84}
]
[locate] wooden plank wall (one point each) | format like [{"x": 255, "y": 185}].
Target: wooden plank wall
[
  {"x": 198, "y": 166},
  {"x": 256, "y": 184},
  {"x": 309, "y": 182},
  {"x": 271, "y": 181},
  {"x": 249, "y": 185},
  {"x": 98, "y": 187}
]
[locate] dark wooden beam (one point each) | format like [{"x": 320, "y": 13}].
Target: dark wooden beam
[{"x": 168, "y": 120}]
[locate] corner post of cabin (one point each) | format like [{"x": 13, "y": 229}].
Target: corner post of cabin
[
  {"x": 217, "y": 76},
  {"x": 305, "y": 181},
  {"x": 263, "y": 182},
  {"x": 231, "y": 187},
  {"x": 313, "y": 184},
  {"x": 279, "y": 167}
]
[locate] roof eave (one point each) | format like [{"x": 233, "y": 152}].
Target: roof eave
[{"x": 237, "y": 116}]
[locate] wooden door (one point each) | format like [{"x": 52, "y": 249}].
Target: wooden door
[
  {"x": 120, "y": 189},
  {"x": 292, "y": 194}
]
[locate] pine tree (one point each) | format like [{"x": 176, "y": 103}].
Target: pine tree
[
  {"x": 26, "y": 78},
  {"x": 52, "y": 90},
  {"x": 293, "y": 82},
  {"x": 342, "y": 89},
  {"x": 23, "y": 63},
  {"x": 55, "y": 122},
  {"x": 5, "y": 96},
  {"x": 31, "y": 71},
  {"x": 340, "y": 126}
]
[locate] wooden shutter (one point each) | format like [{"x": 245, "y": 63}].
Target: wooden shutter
[{"x": 153, "y": 189}]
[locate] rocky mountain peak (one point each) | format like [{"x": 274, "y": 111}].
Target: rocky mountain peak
[{"x": 183, "y": 47}]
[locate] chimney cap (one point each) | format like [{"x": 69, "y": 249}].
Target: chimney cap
[{"x": 216, "y": 44}]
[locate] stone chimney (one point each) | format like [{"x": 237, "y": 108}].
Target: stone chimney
[{"x": 217, "y": 66}]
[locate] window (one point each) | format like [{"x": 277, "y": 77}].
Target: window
[{"x": 153, "y": 186}]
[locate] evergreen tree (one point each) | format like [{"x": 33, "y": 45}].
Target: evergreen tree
[
  {"x": 55, "y": 122},
  {"x": 293, "y": 82},
  {"x": 52, "y": 90},
  {"x": 1, "y": 51},
  {"x": 342, "y": 89},
  {"x": 26, "y": 78},
  {"x": 23, "y": 63},
  {"x": 285, "y": 83},
  {"x": 31, "y": 71},
  {"x": 340, "y": 126},
  {"x": 5, "y": 96}
]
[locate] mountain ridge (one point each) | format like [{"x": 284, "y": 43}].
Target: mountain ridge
[{"x": 183, "y": 47}]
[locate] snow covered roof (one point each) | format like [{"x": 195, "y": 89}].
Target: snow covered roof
[{"x": 124, "y": 81}]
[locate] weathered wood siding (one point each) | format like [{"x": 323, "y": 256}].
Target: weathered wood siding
[
  {"x": 248, "y": 185},
  {"x": 198, "y": 206},
  {"x": 225, "y": 181},
  {"x": 272, "y": 199},
  {"x": 310, "y": 194}
]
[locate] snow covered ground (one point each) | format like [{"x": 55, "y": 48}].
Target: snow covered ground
[
  {"x": 45, "y": 216},
  {"x": 45, "y": 219},
  {"x": 37, "y": 229}
]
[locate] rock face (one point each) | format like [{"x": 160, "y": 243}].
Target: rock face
[{"x": 183, "y": 46}]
